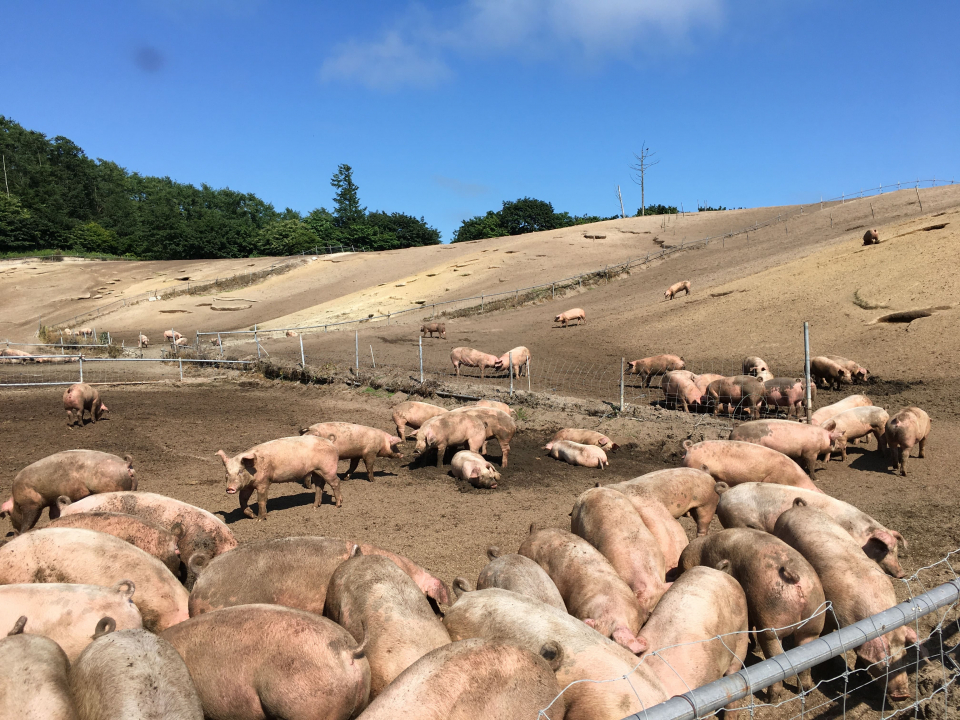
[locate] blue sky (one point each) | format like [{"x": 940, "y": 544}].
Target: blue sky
[{"x": 445, "y": 109}]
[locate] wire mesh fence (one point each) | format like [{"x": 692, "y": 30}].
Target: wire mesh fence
[{"x": 38, "y": 370}]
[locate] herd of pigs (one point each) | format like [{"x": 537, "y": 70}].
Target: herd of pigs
[{"x": 134, "y": 605}]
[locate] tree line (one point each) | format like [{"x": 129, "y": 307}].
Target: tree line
[{"x": 54, "y": 197}]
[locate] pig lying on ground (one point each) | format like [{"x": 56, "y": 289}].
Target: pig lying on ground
[
  {"x": 182, "y": 342},
  {"x": 758, "y": 505},
  {"x": 69, "y": 614},
  {"x": 743, "y": 392},
  {"x": 291, "y": 333},
  {"x": 683, "y": 491},
  {"x": 13, "y": 356},
  {"x": 855, "y": 586},
  {"x": 414, "y": 414},
  {"x": 577, "y": 454},
  {"x": 519, "y": 355},
  {"x": 133, "y": 675},
  {"x": 680, "y": 390},
  {"x": 432, "y": 586},
  {"x": 72, "y": 555},
  {"x": 357, "y": 442},
  {"x": 858, "y": 373},
  {"x": 473, "y": 468},
  {"x": 146, "y": 535},
  {"x": 291, "y": 459},
  {"x": 521, "y": 575},
  {"x": 584, "y": 437},
  {"x": 802, "y": 443},
  {"x": 782, "y": 589},
  {"x": 451, "y": 430},
  {"x": 871, "y": 237},
  {"x": 586, "y": 655},
  {"x": 497, "y": 424},
  {"x": 828, "y": 411},
  {"x": 377, "y": 603},
  {"x": 283, "y": 663},
  {"x": 656, "y": 365},
  {"x": 33, "y": 677},
  {"x": 830, "y": 373},
  {"x": 569, "y": 316},
  {"x": 72, "y": 473},
  {"x": 143, "y": 341},
  {"x": 786, "y": 393},
  {"x": 671, "y": 292},
  {"x": 431, "y": 328},
  {"x": 739, "y": 462},
  {"x": 468, "y": 357},
  {"x": 909, "y": 427},
  {"x": 856, "y": 423},
  {"x": 80, "y": 398}
]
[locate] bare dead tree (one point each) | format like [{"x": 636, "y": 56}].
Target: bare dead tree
[{"x": 640, "y": 172}]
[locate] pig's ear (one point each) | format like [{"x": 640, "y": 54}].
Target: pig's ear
[
  {"x": 178, "y": 530},
  {"x": 249, "y": 460},
  {"x": 884, "y": 537},
  {"x": 900, "y": 538},
  {"x": 222, "y": 455}
]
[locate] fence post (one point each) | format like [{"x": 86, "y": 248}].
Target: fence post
[
  {"x": 510, "y": 356},
  {"x": 358, "y": 349},
  {"x": 806, "y": 370},
  {"x": 917, "y": 188},
  {"x": 181, "y": 369},
  {"x": 372, "y": 359},
  {"x": 481, "y": 303},
  {"x": 622, "y": 364},
  {"x": 528, "y": 374},
  {"x": 421, "y": 359},
  {"x": 256, "y": 338},
  {"x": 220, "y": 344},
  {"x": 303, "y": 360},
  {"x": 516, "y": 297},
  {"x": 81, "y": 368},
  {"x": 553, "y": 291}
]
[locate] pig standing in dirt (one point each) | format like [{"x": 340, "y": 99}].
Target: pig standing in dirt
[
  {"x": 520, "y": 357},
  {"x": 782, "y": 589},
  {"x": 585, "y": 655},
  {"x": 830, "y": 373},
  {"x": 69, "y": 613},
  {"x": 451, "y": 429},
  {"x": 577, "y": 454},
  {"x": 281, "y": 663},
  {"x": 656, "y": 365},
  {"x": 520, "y": 575},
  {"x": 497, "y": 424},
  {"x": 496, "y": 405},
  {"x": 171, "y": 335},
  {"x": 909, "y": 427},
  {"x": 739, "y": 462},
  {"x": 80, "y": 398},
  {"x": 85, "y": 331},
  {"x": 828, "y": 411},
  {"x": 670, "y": 536},
  {"x": 468, "y": 357},
  {"x": 786, "y": 393},
  {"x": 357, "y": 442},
  {"x": 871, "y": 237},
  {"x": 671, "y": 292},
  {"x": 471, "y": 680},
  {"x": 133, "y": 675},
  {"x": 291, "y": 459},
  {"x": 146, "y": 535},
  {"x": 743, "y": 392},
  {"x": 569, "y": 316},
  {"x": 758, "y": 505},
  {"x": 858, "y": 373},
  {"x": 473, "y": 468},
  {"x": 378, "y": 603},
  {"x": 414, "y": 414},
  {"x": 802, "y": 443},
  {"x": 757, "y": 367},
  {"x": 432, "y": 586},
  {"x": 683, "y": 491},
  {"x": 72, "y": 555},
  {"x": 857, "y": 423},
  {"x": 585, "y": 437},
  {"x": 33, "y": 677},
  {"x": 143, "y": 341},
  {"x": 855, "y": 586},
  {"x": 680, "y": 390},
  {"x": 290, "y": 571},
  {"x": 703, "y": 381},
  {"x": 72, "y": 473},
  {"x": 431, "y": 328}
]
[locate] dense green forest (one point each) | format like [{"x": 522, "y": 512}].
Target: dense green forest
[{"x": 57, "y": 198}]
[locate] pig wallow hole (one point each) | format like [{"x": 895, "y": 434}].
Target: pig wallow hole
[{"x": 908, "y": 316}]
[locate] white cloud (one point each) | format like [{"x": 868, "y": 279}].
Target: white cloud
[{"x": 387, "y": 64}]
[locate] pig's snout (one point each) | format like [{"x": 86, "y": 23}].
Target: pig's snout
[{"x": 231, "y": 491}]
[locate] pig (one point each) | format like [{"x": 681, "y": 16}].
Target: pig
[
  {"x": 356, "y": 442},
  {"x": 69, "y": 613},
  {"x": 182, "y": 342},
  {"x": 757, "y": 367},
  {"x": 451, "y": 429},
  {"x": 735, "y": 462},
  {"x": 472, "y": 679},
  {"x": 7, "y": 508},
  {"x": 802, "y": 443},
  {"x": 133, "y": 675},
  {"x": 291, "y": 571},
  {"x": 828, "y": 411},
  {"x": 683, "y": 491},
  {"x": 740, "y": 391},
  {"x": 33, "y": 677},
  {"x": 782, "y": 589},
  {"x": 291, "y": 333},
  {"x": 15, "y": 356},
  {"x": 856, "y": 423},
  {"x": 85, "y": 331},
  {"x": 75, "y": 555},
  {"x": 519, "y": 574},
  {"x": 758, "y": 505},
  {"x": 591, "y": 668},
  {"x": 433, "y": 587},
  {"x": 909, "y": 427},
  {"x": 830, "y": 373},
  {"x": 143, "y": 341},
  {"x": 858, "y": 373},
  {"x": 853, "y": 584},
  {"x": 217, "y": 342},
  {"x": 496, "y": 405},
  {"x": 290, "y": 459},
  {"x": 80, "y": 398},
  {"x": 378, "y": 603},
  {"x": 786, "y": 393},
  {"x": 703, "y": 381},
  {"x": 569, "y": 316},
  {"x": 283, "y": 663},
  {"x": 148, "y": 536},
  {"x": 578, "y": 454},
  {"x": 473, "y": 468},
  {"x": 710, "y": 641},
  {"x": 71, "y": 473},
  {"x": 431, "y": 328},
  {"x": 414, "y": 414},
  {"x": 497, "y": 424},
  {"x": 670, "y": 536},
  {"x": 520, "y": 357},
  {"x": 656, "y": 365},
  {"x": 680, "y": 390},
  {"x": 585, "y": 437},
  {"x": 468, "y": 357},
  {"x": 171, "y": 335},
  {"x": 871, "y": 237},
  {"x": 671, "y": 292}
]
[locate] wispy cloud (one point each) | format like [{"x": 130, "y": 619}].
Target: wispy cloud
[
  {"x": 458, "y": 187},
  {"x": 388, "y": 64}
]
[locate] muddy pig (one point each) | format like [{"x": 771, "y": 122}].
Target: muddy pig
[
  {"x": 254, "y": 662},
  {"x": 378, "y": 603},
  {"x": 520, "y": 357},
  {"x": 671, "y": 292},
  {"x": 830, "y": 373},
  {"x": 735, "y": 462},
  {"x": 569, "y": 316},
  {"x": 909, "y": 427},
  {"x": 496, "y": 405},
  {"x": 656, "y": 365},
  {"x": 856, "y": 423},
  {"x": 871, "y": 237},
  {"x": 743, "y": 392},
  {"x": 577, "y": 454},
  {"x": 497, "y": 424},
  {"x": 855, "y": 586},
  {"x": 472, "y": 467},
  {"x": 782, "y": 589},
  {"x": 72, "y": 473},
  {"x": 69, "y": 613},
  {"x": 828, "y": 411},
  {"x": 414, "y": 414},
  {"x": 33, "y": 677},
  {"x": 73, "y": 555},
  {"x": 468, "y": 357},
  {"x": 683, "y": 491},
  {"x": 80, "y": 398},
  {"x": 146, "y": 535},
  {"x": 356, "y": 442},
  {"x": 585, "y": 437},
  {"x": 802, "y": 443},
  {"x": 680, "y": 390},
  {"x": 858, "y": 373},
  {"x": 451, "y": 429},
  {"x": 290, "y": 459},
  {"x": 521, "y": 575},
  {"x": 431, "y": 328},
  {"x": 432, "y": 586},
  {"x": 786, "y": 393},
  {"x": 133, "y": 675}
]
